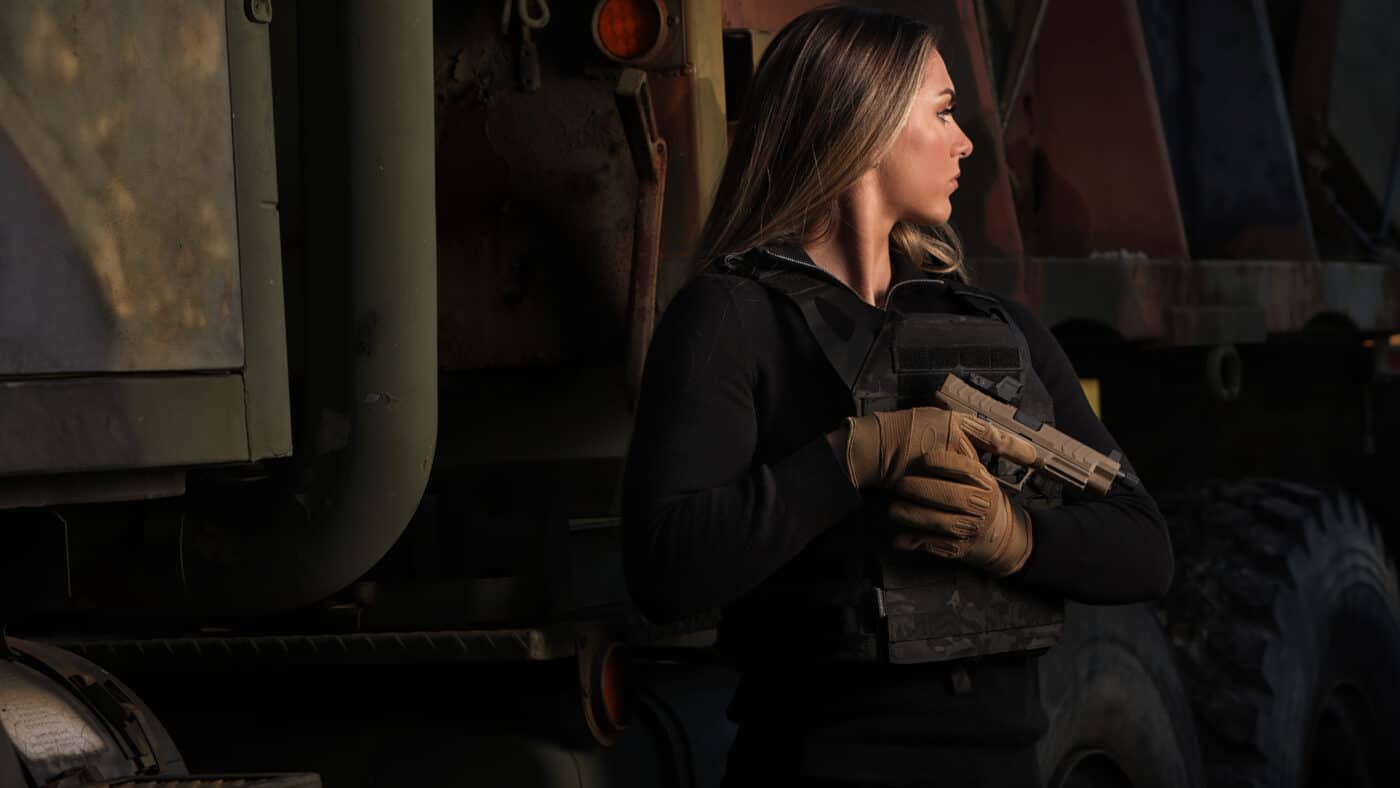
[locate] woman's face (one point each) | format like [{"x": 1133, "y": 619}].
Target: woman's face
[{"x": 918, "y": 174}]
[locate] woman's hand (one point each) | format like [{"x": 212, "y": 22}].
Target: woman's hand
[
  {"x": 949, "y": 505},
  {"x": 881, "y": 446}
]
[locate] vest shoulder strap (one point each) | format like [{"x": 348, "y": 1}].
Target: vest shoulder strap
[
  {"x": 980, "y": 299},
  {"x": 832, "y": 315}
]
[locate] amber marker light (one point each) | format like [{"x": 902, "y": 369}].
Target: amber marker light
[
  {"x": 629, "y": 31},
  {"x": 1392, "y": 341},
  {"x": 1386, "y": 351},
  {"x": 614, "y": 684}
]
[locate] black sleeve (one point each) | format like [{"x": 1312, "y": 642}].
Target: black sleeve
[
  {"x": 702, "y": 521},
  {"x": 1102, "y": 550}
]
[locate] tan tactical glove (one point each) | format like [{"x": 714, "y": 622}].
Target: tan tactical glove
[
  {"x": 880, "y": 446},
  {"x": 949, "y": 505}
]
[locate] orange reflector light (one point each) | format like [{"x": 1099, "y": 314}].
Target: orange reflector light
[
  {"x": 628, "y": 30},
  {"x": 614, "y": 686}
]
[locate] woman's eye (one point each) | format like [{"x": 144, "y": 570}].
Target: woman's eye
[{"x": 947, "y": 114}]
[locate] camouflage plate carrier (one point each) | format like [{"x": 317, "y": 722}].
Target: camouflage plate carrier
[{"x": 902, "y": 607}]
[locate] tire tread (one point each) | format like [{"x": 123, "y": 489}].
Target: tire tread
[{"x": 1235, "y": 543}]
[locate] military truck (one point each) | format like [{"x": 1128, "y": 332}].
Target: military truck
[{"x": 321, "y": 324}]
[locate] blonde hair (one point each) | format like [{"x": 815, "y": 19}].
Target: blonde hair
[{"x": 829, "y": 96}]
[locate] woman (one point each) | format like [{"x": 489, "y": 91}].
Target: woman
[{"x": 783, "y": 467}]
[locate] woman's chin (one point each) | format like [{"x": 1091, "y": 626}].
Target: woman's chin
[{"x": 931, "y": 218}]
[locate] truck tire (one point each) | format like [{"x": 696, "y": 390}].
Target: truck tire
[
  {"x": 1286, "y": 621},
  {"x": 1119, "y": 715}
]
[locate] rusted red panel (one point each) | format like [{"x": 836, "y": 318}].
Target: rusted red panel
[
  {"x": 1159, "y": 300},
  {"x": 1085, "y": 142},
  {"x": 536, "y": 199},
  {"x": 993, "y": 230},
  {"x": 1136, "y": 297},
  {"x": 1200, "y": 302},
  {"x": 768, "y": 15}
]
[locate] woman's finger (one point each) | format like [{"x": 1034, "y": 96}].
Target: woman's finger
[
  {"x": 941, "y": 546},
  {"x": 989, "y": 437},
  {"x": 952, "y": 466},
  {"x": 934, "y": 521},
  {"x": 943, "y": 495}
]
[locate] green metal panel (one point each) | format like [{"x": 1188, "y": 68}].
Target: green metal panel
[
  {"x": 53, "y": 426},
  {"x": 259, "y": 246},
  {"x": 119, "y": 250}
]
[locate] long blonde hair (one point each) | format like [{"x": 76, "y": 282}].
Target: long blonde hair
[{"x": 829, "y": 96}]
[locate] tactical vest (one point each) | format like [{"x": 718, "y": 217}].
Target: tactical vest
[{"x": 890, "y": 605}]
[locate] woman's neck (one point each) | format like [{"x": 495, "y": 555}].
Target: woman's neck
[{"x": 857, "y": 250}]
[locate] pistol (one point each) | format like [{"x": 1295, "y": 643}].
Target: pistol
[{"x": 1056, "y": 453}]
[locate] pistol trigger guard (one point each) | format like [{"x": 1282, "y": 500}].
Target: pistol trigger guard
[{"x": 1020, "y": 483}]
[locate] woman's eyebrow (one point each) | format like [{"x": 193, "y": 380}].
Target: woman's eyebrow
[{"x": 950, "y": 92}]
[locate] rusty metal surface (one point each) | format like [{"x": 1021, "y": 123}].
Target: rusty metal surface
[
  {"x": 1086, "y": 162},
  {"x": 1085, "y": 145},
  {"x": 1207, "y": 301},
  {"x": 1025, "y": 36},
  {"x": 649, "y": 157},
  {"x": 769, "y": 15},
  {"x": 690, "y": 113},
  {"x": 685, "y": 206},
  {"x": 595, "y": 423},
  {"x": 117, "y": 127},
  {"x": 1228, "y": 130},
  {"x": 536, "y": 197}
]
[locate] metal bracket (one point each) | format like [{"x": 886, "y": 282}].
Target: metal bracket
[
  {"x": 649, "y": 156},
  {"x": 259, "y": 11}
]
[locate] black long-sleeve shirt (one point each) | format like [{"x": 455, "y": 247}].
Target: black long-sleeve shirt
[{"x": 730, "y": 477}]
